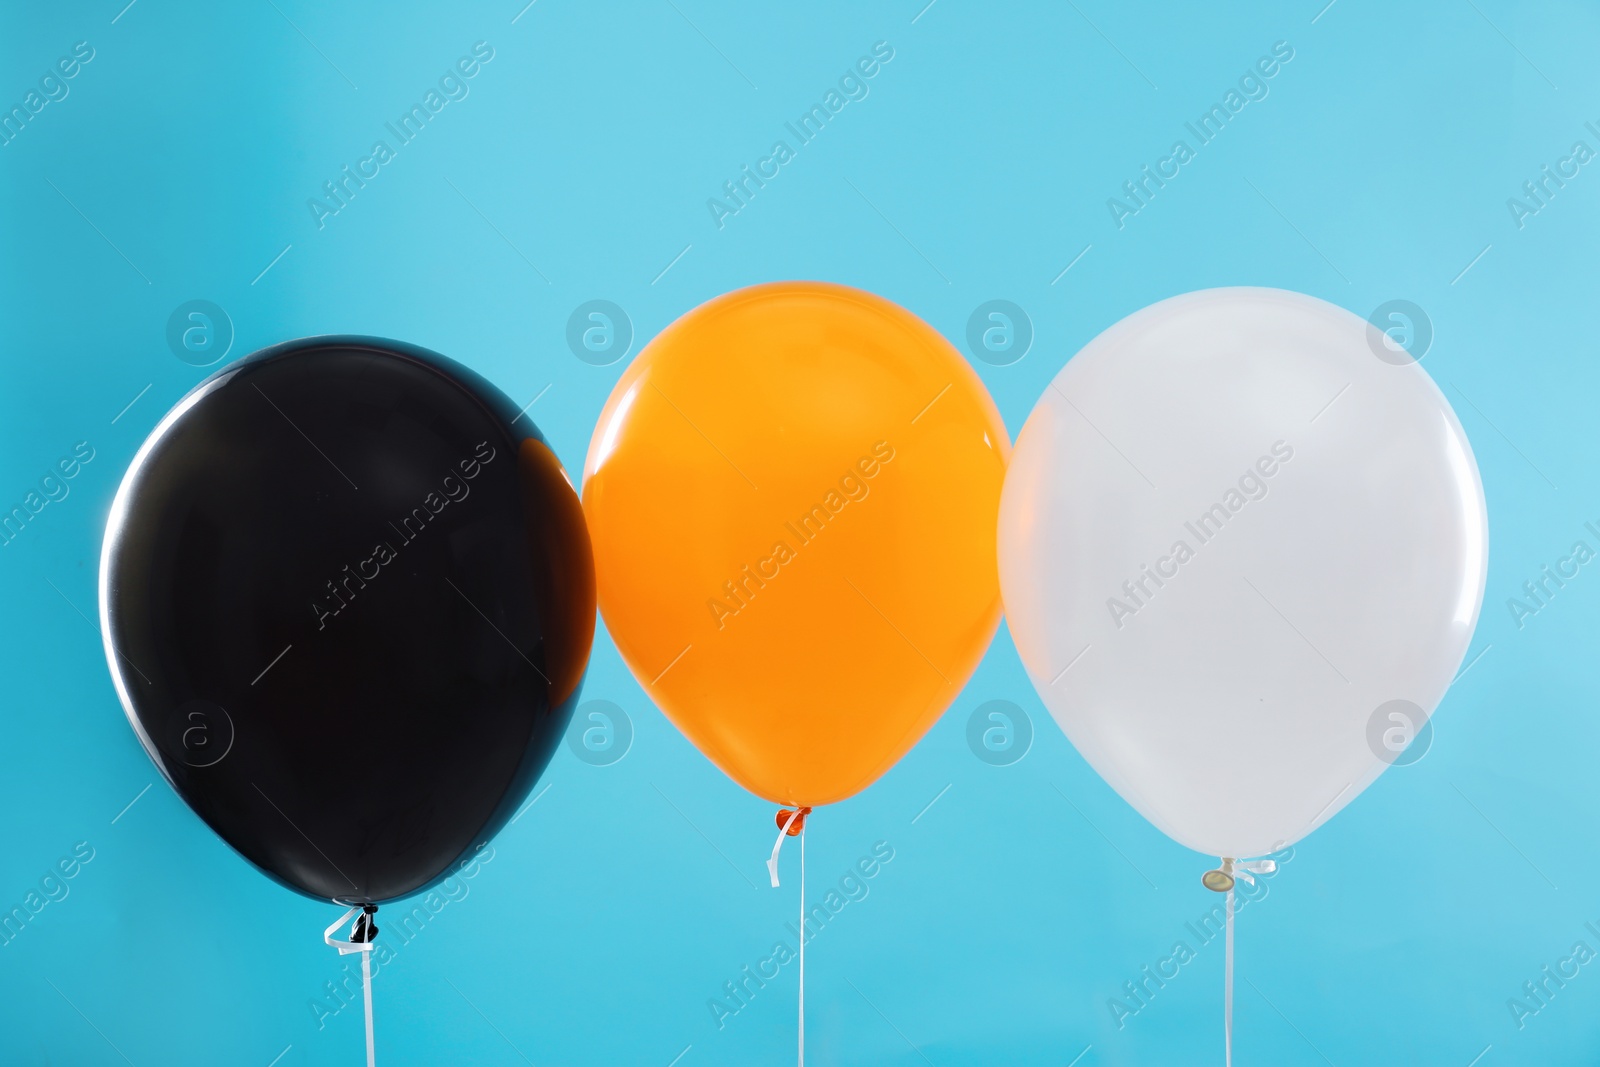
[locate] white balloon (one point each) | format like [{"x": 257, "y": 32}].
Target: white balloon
[{"x": 1236, "y": 527}]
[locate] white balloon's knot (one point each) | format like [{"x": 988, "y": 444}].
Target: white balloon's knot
[{"x": 1223, "y": 879}]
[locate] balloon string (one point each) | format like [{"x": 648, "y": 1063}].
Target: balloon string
[
  {"x": 793, "y": 823},
  {"x": 361, "y": 936},
  {"x": 366, "y": 999},
  {"x": 802, "y": 944},
  {"x": 1223, "y": 880},
  {"x": 1227, "y": 987},
  {"x": 784, "y": 830}
]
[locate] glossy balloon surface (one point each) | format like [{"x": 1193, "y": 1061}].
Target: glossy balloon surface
[
  {"x": 1243, "y": 545},
  {"x": 348, "y": 600},
  {"x": 792, "y": 493}
]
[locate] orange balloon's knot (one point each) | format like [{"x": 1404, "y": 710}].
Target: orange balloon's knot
[{"x": 799, "y": 820}]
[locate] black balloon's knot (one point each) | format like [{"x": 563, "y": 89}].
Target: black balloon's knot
[{"x": 366, "y": 927}]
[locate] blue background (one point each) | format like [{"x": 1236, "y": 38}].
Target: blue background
[{"x": 1378, "y": 168}]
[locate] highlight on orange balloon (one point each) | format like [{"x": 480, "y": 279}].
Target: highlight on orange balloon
[{"x": 792, "y": 495}]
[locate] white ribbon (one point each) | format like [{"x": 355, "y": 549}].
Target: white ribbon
[
  {"x": 1227, "y": 989},
  {"x": 1240, "y": 869},
  {"x": 772, "y": 869},
  {"x": 802, "y": 944},
  {"x": 365, "y": 949},
  {"x": 783, "y": 832}
]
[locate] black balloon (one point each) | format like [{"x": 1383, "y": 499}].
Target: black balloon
[{"x": 349, "y": 600}]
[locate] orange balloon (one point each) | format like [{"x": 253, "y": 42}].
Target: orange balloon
[{"x": 792, "y": 495}]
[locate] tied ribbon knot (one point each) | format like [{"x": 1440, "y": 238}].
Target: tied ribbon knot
[
  {"x": 793, "y": 824},
  {"x": 790, "y": 824},
  {"x": 1222, "y": 880},
  {"x": 362, "y": 933}
]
